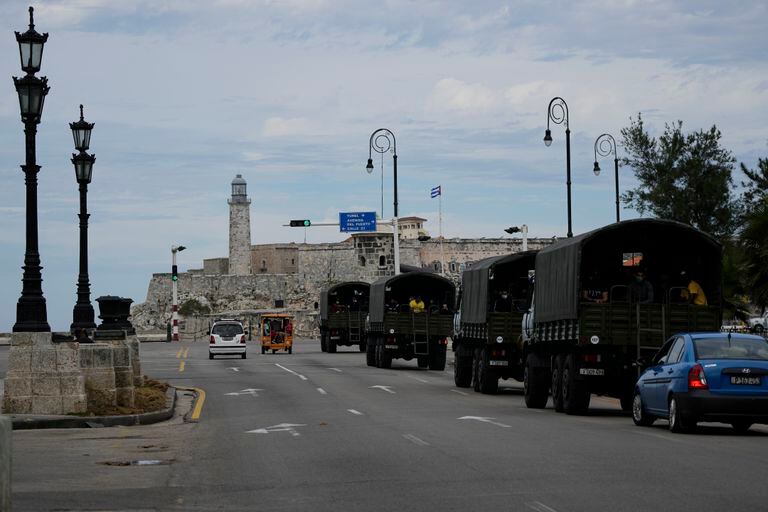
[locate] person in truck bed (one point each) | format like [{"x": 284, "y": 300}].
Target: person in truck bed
[{"x": 641, "y": 290}]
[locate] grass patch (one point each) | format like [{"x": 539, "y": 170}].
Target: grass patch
[{"x": 148, "y": 397}]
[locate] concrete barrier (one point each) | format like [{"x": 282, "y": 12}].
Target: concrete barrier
[{"x": 5, "y": 463}]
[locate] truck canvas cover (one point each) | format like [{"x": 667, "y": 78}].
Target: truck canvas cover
[
  {"x": 401, "y": 286},
  {"x": 340, "y": 288},
  {"x": 474, "y": 283},
  {"x": 676, "y": 245}
]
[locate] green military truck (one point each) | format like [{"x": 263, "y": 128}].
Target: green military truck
[
  {"x": 395, "y": 332},
  {"x": 593, "y": 321},
  {"x": 343, "y": 308},
  {"x": 494, "y": 295}
]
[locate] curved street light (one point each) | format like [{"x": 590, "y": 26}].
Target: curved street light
[
  {"x": 557, "y": 112},
  {"x": 605, "y": 144},
  {"x": 382, "y": 140}
]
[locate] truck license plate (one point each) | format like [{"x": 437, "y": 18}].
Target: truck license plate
[
  {"x": 498, "y": 363},
  {"x": 591, "y": 371},
  {"x": 391, "y": 346}
]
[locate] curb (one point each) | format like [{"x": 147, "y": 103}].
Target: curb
[{"x": 29, "y": 421}]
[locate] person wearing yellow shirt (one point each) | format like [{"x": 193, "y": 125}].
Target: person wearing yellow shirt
[
  {"x": 693, "y": 292},
  {"x": 417, "y": 305}
]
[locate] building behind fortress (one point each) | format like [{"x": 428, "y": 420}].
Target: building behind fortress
[{"x": 255, "y": 278}]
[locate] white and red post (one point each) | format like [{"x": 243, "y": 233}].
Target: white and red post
[{"x": 175, "y": 298}]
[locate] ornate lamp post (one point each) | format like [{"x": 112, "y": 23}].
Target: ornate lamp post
[
  {"x": 605, "y": 144},
  {"x": 31, "y": 315},
  {"x": 82, "y": 315},
  {"x": 558, "y": 114},
  {"x": 381, "y": 142}
]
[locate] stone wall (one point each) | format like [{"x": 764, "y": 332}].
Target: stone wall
[
  {"x": 216, "y": 266},
  {"x": 275, "y": 259}
]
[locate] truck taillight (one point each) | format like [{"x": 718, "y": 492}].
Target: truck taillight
[
  {"x": 591, "y": 358},
  {"x": 213, "y": 340},
  {"x": 444, "y": 341},
  {"x": 696, "y": 378},
  {"x": 242, "y": 338}
]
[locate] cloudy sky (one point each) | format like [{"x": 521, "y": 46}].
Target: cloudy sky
[{"x": 187, "y": 93}]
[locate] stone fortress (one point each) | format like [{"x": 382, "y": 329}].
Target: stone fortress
[{"x": 288, "y": 277}]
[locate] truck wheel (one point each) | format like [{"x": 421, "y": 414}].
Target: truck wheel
[
  {"x": 362, "y": 346},
  {"x": 370, "y": 352},
  {"x": 422, "y": 361},
  {"x": 331, "y": 347},
  {"x": 323, "y": 343},
  {"x": 488, "y": 380},
  {"x": 385, "y": 358},
  {"x": 475, "y": 368},
  {"x": 437, "y": 358},
  {"x": 462, "y": 371},
  {"x": 534, "y": 386},
  {"x": 557, "y": 383},
  {"x": 575, "y": 393}
]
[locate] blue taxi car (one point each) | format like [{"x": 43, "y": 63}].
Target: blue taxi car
[{"x": 720, "y": 377}]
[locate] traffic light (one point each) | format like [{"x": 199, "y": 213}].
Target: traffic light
[
  {"x": 174, "y": 273},
  {"x": 301, "y": 223}
]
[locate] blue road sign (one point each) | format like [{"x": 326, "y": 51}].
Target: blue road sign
[{"x": 357, "y": 221}]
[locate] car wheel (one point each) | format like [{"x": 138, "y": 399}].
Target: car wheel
[
  {"x": 243, "y": 355},
  {"x": 639, "y": 416},
  {"x": 462, "y": 371},
  {"x": 557, "y": 383},
  {"x": 210, "y": 356},
  {"x": 534, "y": 387},
  {"x": 741, "y": 426},
  {"x": 677, "y": 421}
]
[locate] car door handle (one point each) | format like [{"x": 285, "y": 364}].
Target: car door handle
[{"x": 670, "y": 371}]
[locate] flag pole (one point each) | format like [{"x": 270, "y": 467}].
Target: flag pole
[{"x": 440, "y": 217}]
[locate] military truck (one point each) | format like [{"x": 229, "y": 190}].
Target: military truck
[
  {"x": 396, "y": 332},
  {"x": 592, "y": 321},
  {"x": 494, "y": 295},
  {"x": 343, "y": 308}
]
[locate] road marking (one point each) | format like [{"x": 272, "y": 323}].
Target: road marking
[
  {"x": 178, "y": 354},
  {"x": 415, "y": 440},
  {"x": 657, "y": 436},
  {"x": 539, "y": 507},
  {"x": 291, "y": 371},
  {"x": 484, "y": 420},
  {"x": 181, "y": 366},
  {"x": 418, "y": 379},
  {"x": 186, "y": 353},
  {"x": 336, "y": 370},
  {"x": 356, "y": 413},
  {"x": 234, "y": 369},
  {"x": 322, "y": 391},
  {"x": 283, "y": 427},
  {"x": 249, "y": 391},
  {"x": 198, "y": 409},
  {"x": 383, "y": 388},
  {"x": 460, "y": 392}
]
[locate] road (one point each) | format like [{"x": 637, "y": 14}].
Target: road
[{"x": 316, "y": 432}]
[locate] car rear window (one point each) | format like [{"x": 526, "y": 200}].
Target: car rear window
[
  {"x": 735, "y": 348},
  {"x": 227, "y": 330}
]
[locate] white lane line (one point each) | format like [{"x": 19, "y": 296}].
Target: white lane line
[
  {"x": 418, "y": 379},
  {"x": 336, "y": 370},
  {"x": 460, "y": 392},
  {"x": 356, "y": 413},
  {"x": 234, "y": 369},
  {"x": 657, "y": 436},
  {"x": 415, "y": 440},
  {"x": 322, "y": 391},
  {"x": 539, "y": 507},
  {"x": 383, "y": 388},
  {"x": 483, "y": 419},
  {"x": 291, "y": 371}
]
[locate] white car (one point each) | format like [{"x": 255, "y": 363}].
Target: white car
[
  {"x": 759, "y": 324},
  {"x": 227, "y": 338}
]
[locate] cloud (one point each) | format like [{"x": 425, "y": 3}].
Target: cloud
[
  {"x": 282, "y": 127},
  {"x": 450, "y": 94}
]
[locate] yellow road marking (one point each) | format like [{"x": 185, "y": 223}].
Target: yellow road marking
[
  {"x": 178, "y": 354},
  {"x": 181, "y": 366},
  {"x": 198, "y": 409},
  {"x": 186, "y": 352}
]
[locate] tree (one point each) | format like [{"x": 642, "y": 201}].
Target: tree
[
  {"x": 754, "y": 241},
  {"x": 682, "y": 177},
  {"x": 194, "y": 307},
  {"x": 756, "y": 188}
]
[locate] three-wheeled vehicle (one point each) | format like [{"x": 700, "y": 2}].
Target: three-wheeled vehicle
[{"x": 276, "y": 333}]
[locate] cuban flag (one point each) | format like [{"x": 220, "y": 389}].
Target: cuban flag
[{"x": 437, "y": 191}]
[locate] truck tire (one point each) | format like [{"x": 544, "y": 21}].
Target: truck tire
[
  {"x": 323, "y": 342},
  {"x": 422, "y": 361},
  {"x": 534, "y": 386},
  {"x": 437, "y": 358},
  {"x": 487, "y": 379},
  {"x": 331, "y": 346},
  {"x": 462, "y": 371},
  {"x": 557, "y": 383},
  {"x": 385, "y": 358},
  {"x": 370, "y": 351},
  {"x": 475, "y": 368},
  {"x": 575, "y": 393},
  {"x": 363, "y": 346}
]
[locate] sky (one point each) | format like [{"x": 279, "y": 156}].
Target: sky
[{"x": 185, "y": 94}]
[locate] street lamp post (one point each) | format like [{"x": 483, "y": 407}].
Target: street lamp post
[
  {"x": 381, "y": 142},
  {"x": 31, "y": 315},
  {"x": 82, "y": 315},
  {"x": 605, "y": 144},
  {"x": 557, "y": 112},
  {"x": 175, "y": 297}
]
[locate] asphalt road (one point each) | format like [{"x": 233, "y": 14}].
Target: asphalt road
[{"x": 315, "y": 432}]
